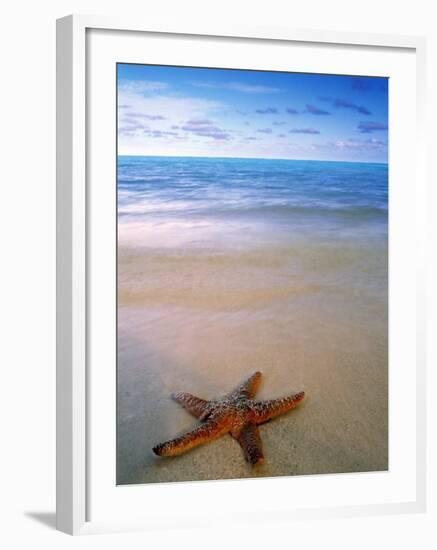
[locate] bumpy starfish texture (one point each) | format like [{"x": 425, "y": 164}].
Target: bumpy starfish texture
[{"x": 237, "y": 414}]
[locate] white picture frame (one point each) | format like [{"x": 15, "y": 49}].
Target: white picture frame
[{"x": 73, "y": 339}]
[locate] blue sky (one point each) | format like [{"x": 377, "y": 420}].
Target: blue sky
[{"x": 180, "y": 111}]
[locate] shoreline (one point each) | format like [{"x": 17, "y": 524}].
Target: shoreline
[{"x": 270, "y": 285}]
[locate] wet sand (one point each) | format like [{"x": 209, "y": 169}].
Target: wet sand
[{"x": 309, "y": 314}]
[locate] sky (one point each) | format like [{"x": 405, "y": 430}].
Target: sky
[{"x": 182, "y": 111}]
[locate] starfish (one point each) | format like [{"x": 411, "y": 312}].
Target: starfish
[{"x": 237, "y": 413}]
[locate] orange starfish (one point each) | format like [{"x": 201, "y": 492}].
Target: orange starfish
[{"x": 237, "y": 414}]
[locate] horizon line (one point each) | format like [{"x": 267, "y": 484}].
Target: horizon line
[{"x": 254, "y": 158}]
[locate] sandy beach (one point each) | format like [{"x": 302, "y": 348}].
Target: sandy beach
[{"x": 200, "y": 310}]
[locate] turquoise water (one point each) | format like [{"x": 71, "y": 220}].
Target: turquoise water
[{"x": 280, "y": 195}]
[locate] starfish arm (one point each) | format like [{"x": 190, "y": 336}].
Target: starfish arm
[
  {"x": 266, "y": 410},
  {"x": 209, "y": 430},
  {"x": 249, "y": 387},
  {"x": 196, "y": 406},
  {"x": 250, "y": 441}
]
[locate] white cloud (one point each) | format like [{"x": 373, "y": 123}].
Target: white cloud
[
  {"x": 153, "y": 123},
  {"x": 361, "y": 144},
  {"x": 173, "y": 108},
  {"x": 140, "y": 86},
  {"x": 238, "y": 87},
  {"x": 252, "y": 89}
]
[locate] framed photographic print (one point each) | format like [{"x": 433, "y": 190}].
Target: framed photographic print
[{"x": 240, "y": 275}]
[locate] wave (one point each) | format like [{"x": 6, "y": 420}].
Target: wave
[{"x": 238, "y": 208}]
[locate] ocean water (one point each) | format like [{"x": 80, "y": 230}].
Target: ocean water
[
  {"x": 226, "y": 266},
  {"x": 281, "y": 195}
]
